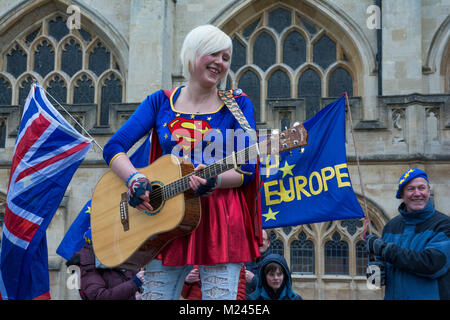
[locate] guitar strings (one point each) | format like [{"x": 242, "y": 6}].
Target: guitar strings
[{"x": 182, "y": 184}]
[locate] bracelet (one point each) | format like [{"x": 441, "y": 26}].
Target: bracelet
[
  {"x": 131, "y": 176},
  {"x": 218, "y": 182}
]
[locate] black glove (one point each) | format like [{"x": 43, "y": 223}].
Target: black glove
[
  {"x": 371, "y": 270},
  {"x": 375, "y": 244},
  {"x": 137, "y": 185},
  {"x": 205, "y": 189}
]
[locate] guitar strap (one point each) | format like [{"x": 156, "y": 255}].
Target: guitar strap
[{"x": 227, "y": 97}]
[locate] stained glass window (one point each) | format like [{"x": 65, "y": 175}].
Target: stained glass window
[
  {"x": 302, "y": 255},
  {"x": 336, "y": 255}
]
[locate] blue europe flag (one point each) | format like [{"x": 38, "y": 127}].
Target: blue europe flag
[{"x": 314, "y": 186}]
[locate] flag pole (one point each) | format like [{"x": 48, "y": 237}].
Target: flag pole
[
  {"x": 72, "y": 118},
  {"x": 366, "y": 211}
]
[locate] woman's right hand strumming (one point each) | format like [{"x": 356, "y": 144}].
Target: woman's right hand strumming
[{"x": 139, "y": 187}]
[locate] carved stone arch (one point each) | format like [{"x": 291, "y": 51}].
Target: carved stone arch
[
  {"x": 275, "y": 68},
  {"x": 330, "y": 229},
  {"x": 89, "y": 75},
  {"x": 304, "y": 68},
  {"x": 6, "y": 81},
  {"x": 445, "y": 69},
  {"x": 15, "y": 45},
  {"x": 103, "y": 108},
  {"x": 253, "y": 38},
  {"x": 271, "y": 70},
  {"x": 54, "y": 76},
  {"x": 341, "y": 65},
  {"x": 438, "y": 46},
  {"x": 258, "y": 100},
  {"x": 41, "y": 41},
  {"x": 20, "y": 86},
  {"x": 310, "y": 234},
  {"x": 246, "y": 68},
  {"x": 238, "y": 40},
  {"x": 66, "y": 40},
  {"x": 327, "y": 16},
  {"x": 437, "y": 60},
  {"x": 377, "y": 216},
  {"x": 279, "y": 235},
  {"x": 12, "y": 24},
  {"x": 304, "y": 34},
  {"x": 107, "y": 75}
]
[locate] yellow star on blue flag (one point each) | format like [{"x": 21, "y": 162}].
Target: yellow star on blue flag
[
  {"x": 287, "y": 169},
  {"x": 270, "y": 215}
]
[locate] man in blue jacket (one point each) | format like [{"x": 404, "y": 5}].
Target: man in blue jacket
[{"x": 415, "y": 246}]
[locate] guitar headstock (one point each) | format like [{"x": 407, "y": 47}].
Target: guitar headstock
[{"x": 291, "y": 138}]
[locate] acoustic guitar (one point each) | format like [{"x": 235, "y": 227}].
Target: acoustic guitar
[{"x": 125, "y": 237}]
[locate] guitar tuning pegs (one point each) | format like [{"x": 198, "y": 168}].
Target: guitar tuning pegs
[
  {"x": 301, "y": 150},
  {"x": 296, "y": 124}
]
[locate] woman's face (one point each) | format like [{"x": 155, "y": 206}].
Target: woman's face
[
  {"x": 275, "y": 278},
  {"x": 211, "y": 68}
]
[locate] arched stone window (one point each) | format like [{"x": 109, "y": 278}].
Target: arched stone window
[
  {"x": 302, "y": 255},
  {"x": 336, "y": 255},
  {"x": 75, "y": 66},
  {"x": 362, "y": 258},
  {"x": 292, "y": 56},
  {"x": 276, "y": 245}
]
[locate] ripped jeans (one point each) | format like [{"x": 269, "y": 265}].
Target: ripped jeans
[{"x": 219, "y": 282}]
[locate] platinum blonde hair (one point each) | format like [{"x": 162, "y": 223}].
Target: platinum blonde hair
[{"x": 205, "y": 39}]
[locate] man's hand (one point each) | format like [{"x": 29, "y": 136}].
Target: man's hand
[{"x": 375, "y": 245}]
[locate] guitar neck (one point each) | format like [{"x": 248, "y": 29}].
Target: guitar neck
[
  {"x": 181, "y": 185},
  {"x": 289, "y": 139}
]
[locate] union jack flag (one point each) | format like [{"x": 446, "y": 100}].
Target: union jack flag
[{"x": 47, "y": 153}]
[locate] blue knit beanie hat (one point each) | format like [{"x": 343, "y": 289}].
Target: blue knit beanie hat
[{"x": 408, "y": 176}]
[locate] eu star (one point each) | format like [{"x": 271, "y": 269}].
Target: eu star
[
  {"x": 287, "y": 169},
  {"x": 270, "y": 215}
]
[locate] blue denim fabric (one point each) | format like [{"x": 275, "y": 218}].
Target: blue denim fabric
[{"x": 219, "y": 282}]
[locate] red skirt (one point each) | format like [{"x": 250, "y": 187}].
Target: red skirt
[{"x": 226, "y": 233}]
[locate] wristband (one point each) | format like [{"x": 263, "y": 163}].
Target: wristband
[{"x": 130, "y": 177}]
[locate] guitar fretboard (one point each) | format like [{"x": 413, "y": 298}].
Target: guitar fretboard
[{"x": 181, "y": 185}]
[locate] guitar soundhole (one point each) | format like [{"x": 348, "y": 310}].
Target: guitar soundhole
[{"x": 156, "y": 197}]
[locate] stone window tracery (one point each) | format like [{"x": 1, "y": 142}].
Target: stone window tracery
[
  {"x": 291, "y": 57},
  {"x": 75, "y": 66}
]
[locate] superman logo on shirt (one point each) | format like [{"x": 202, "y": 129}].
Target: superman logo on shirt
[{"x": 188, "y": 133}]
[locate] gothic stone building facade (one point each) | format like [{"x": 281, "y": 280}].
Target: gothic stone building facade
[{"x": 292, "y": 57}]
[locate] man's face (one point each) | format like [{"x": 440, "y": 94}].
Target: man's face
[
  {"x": 415, "y": 194},
  {"x": 266, "y": 243}
]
